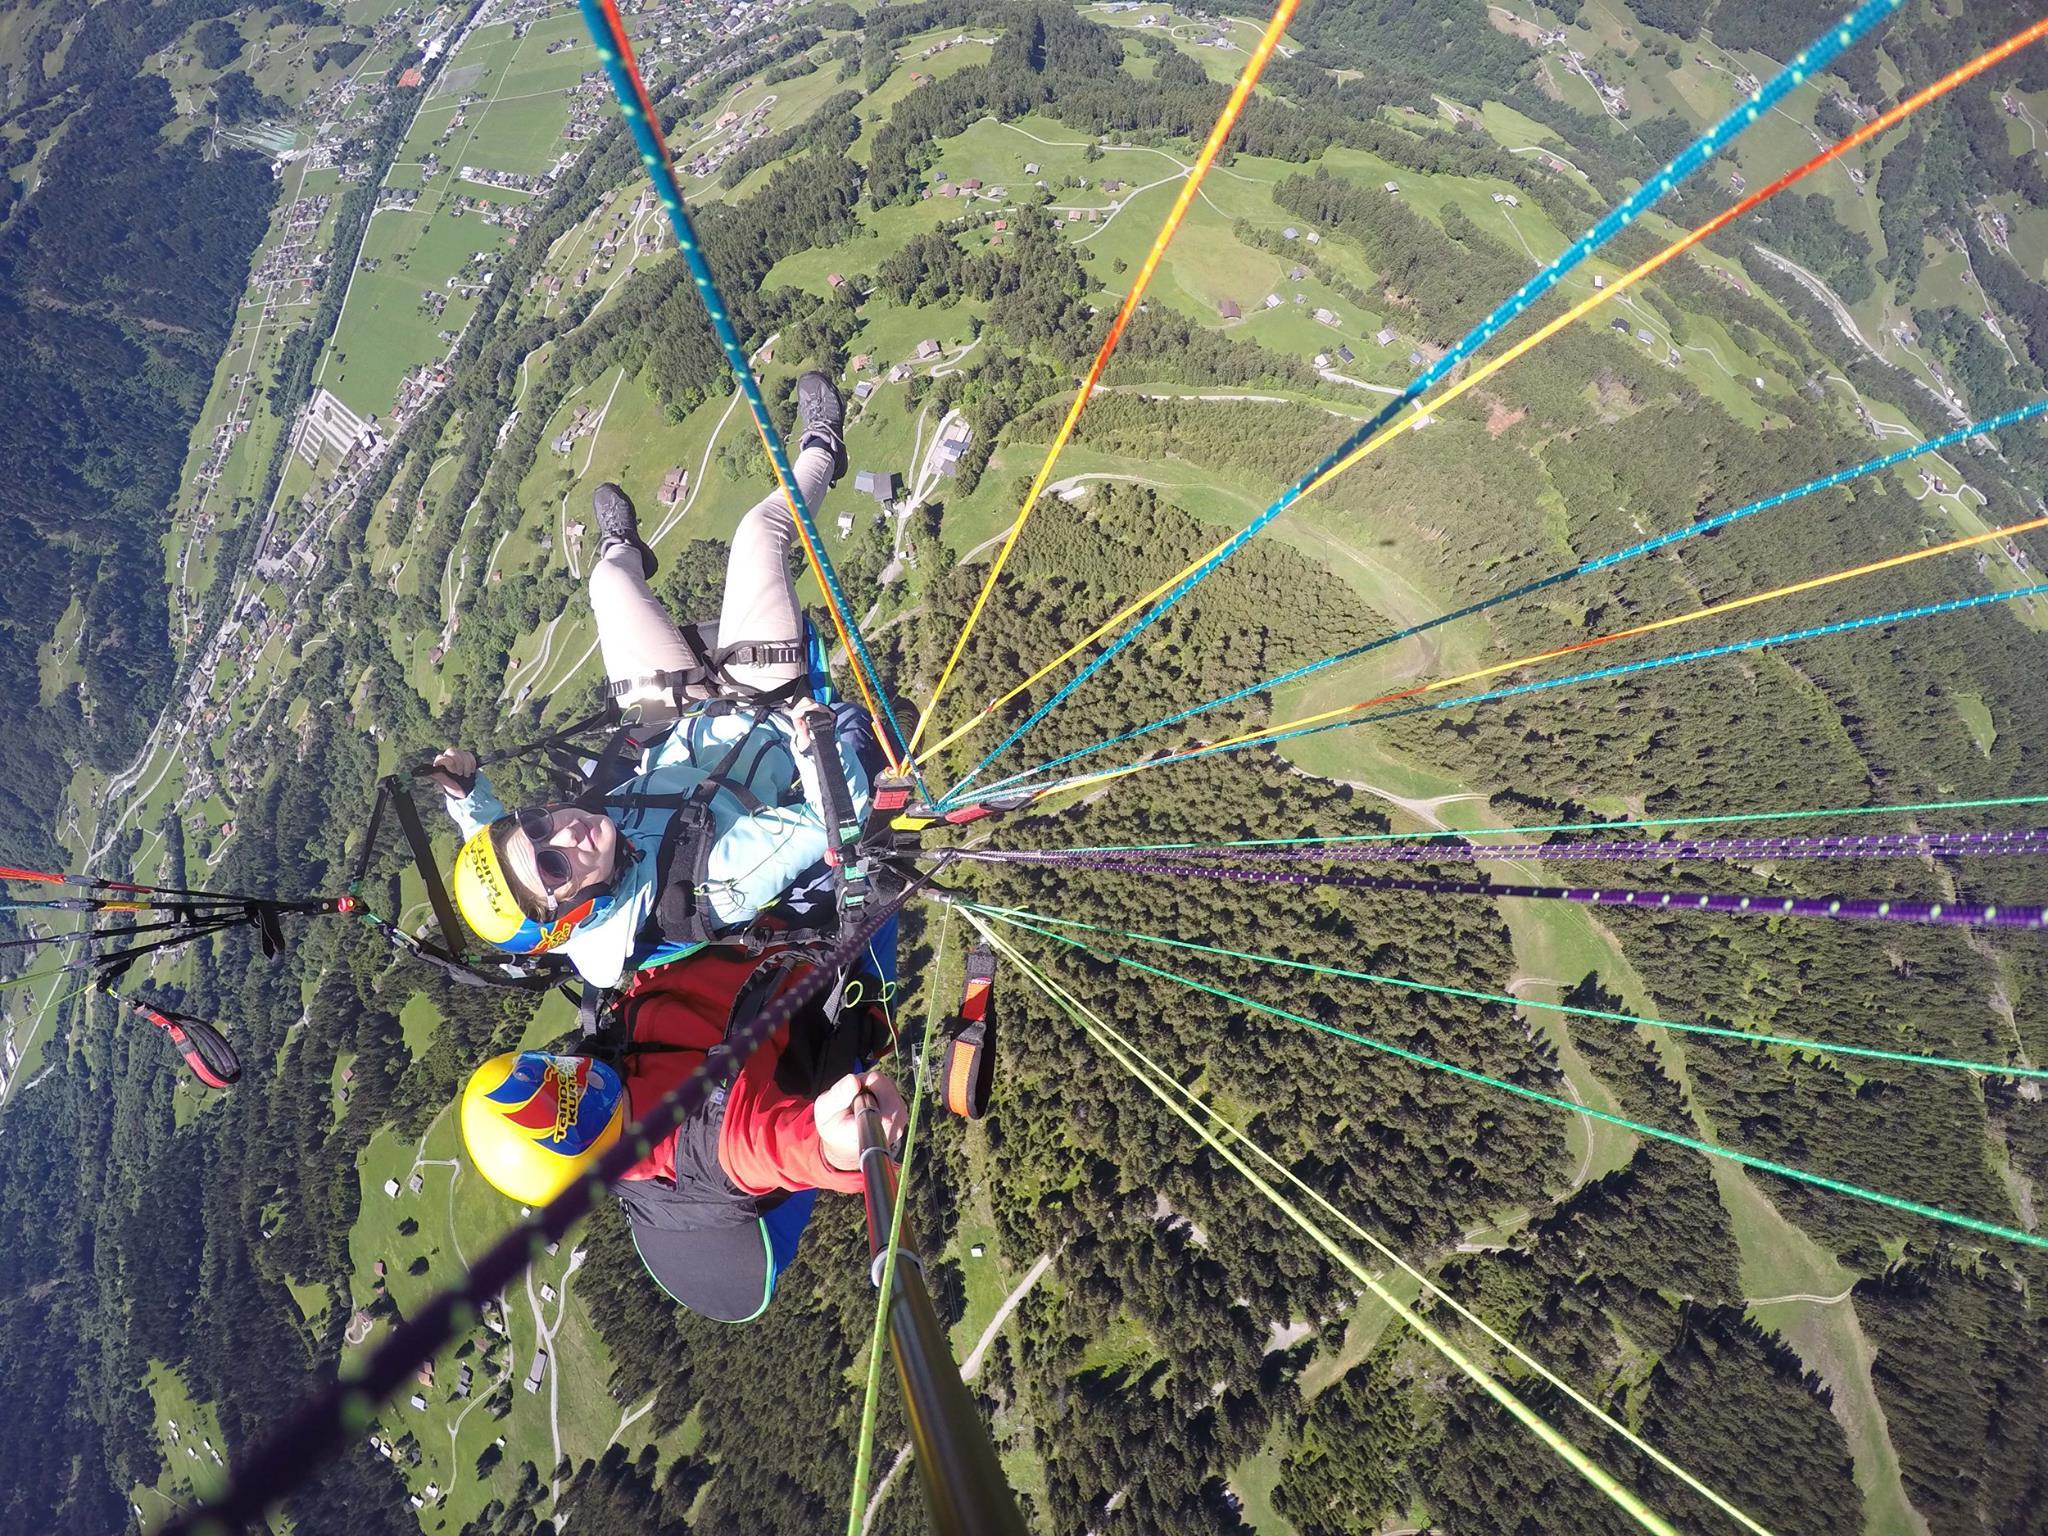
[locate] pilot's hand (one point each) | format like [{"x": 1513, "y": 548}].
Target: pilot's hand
[
  {"x": 837, "y": 1114},
  {"x": 455, "y": 771},
  {"x": 806, "y": 717}
]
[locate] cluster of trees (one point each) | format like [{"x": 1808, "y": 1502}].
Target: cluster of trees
[
  {"x": 1083, "y": 1165},
  {"x": 1034, "y": 290},
  {"x": 218, "y": 42},
  {"x": 1806, "y": 229},
  {"x": 832, "y": 128},
  {"x": 1047, "y": 55},
  {"x": 236, "y": 99},
  {"x": 1958, "y": 1369},
  {"x": 341, "y": 54},
  {"x": 1449, "y": 276}
]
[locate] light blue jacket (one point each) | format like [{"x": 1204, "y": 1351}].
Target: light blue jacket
[{"x": 755, "y": 856}]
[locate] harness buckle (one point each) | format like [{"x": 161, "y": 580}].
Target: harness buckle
[{"x": 921, "y": 818}]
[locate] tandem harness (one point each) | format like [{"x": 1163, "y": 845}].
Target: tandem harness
[
  {"x": 709, "y": 1245},
  {"x": 682, "y": 921},
  {"x": 706, "y": 685},
  {"x": 581, "y": 776}
]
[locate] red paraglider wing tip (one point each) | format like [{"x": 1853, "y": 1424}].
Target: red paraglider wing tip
[{"x": 212, "y": 1060}]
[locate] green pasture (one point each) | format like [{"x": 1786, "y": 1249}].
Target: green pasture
[
  {"x": 795, "y": 101},
  {"x": 884, "y": 231},
  {"x": 383, "y": 334},
  {"x": 890, "y": 333},
  {"x": 1977, "y": 719},
  {"x": 186, "y": 1479},
  {"x": 1221, "y": 64},
  {"x": 521, "y": 134},
  {"x": 1365, "y": 1325}
]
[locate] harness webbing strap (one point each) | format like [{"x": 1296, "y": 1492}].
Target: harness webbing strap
[
  {"x": 408, "y": 816},
  {"x": 568, "y": 733},
  {"x": 385, "y": 787},
  {"x": 666, "y": 682},
  {"x": 678, "y": 916},
  {"x": 762, "y": 653}
]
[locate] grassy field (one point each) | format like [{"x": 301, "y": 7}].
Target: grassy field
[
  {"x": 877, "y": 104},
  {"x": 1195, "y": 38},
  {"x": 1364, "y": 1326},
  {"x": 423, "y": 1240},
  {"x": 1977, "y": 718},
  {"x": 516, "y": 108},
  {"x": 990, "y": 1277},
  {"x": 385, "y": 330},
  {"x": 521, "y": 130},
  {"x": 794, "y": 102},
  {"x": 190, "y": 1472}
]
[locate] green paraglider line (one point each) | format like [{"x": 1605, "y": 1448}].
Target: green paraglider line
[
  {"x": 1676, "y": 1138},
  {"x": 864, "y": 1455},
  {"x": 1747, "y": 1036},
  {"x": 35, "y": 976},
  {"x": 1392, "y": 1256}
]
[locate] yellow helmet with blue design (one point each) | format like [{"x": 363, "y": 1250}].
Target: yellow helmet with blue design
[
  {"x": 494, "y": 904},
  {"x": 533, "y": 1122}
]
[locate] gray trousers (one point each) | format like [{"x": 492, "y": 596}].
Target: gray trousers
[{"x": 640, "y": 640}]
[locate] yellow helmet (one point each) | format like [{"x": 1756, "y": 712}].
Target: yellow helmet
[
  {"x": 533, "y": 1122},
  {"x": 489, "y": 903}
]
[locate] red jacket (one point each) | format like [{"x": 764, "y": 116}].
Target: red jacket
[{"x": 768, "y": 1140}]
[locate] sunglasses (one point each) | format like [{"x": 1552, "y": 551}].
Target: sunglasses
[{"x": 551, "y": 864}]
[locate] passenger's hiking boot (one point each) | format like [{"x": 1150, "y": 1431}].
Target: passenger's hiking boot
[
  {"x": 618, "y": 523},
  {"x": 823, "y": 417}
]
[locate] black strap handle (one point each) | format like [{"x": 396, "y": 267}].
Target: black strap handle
[{"x": 408, "y": 816}]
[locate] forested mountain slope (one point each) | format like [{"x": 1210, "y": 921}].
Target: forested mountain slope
[{"x": 941, "y": 203}]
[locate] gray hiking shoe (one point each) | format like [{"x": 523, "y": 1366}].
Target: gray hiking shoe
[
  {"x": 823, "y": 416},
  {"x": 618, "y": 523}
]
